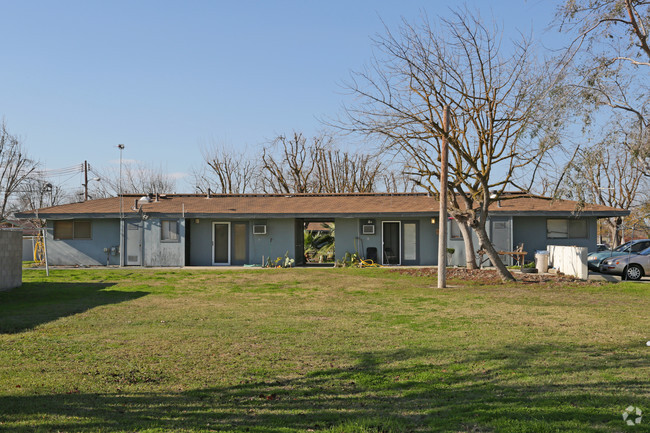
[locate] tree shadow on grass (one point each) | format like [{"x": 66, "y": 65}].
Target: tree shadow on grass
[
  {"x": 402, "y": 390},
  {"x": 33, "y": 304}
]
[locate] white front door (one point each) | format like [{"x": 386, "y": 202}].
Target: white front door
[{"x": 133, "y": 243}]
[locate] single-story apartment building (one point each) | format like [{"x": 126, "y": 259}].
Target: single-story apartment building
[{"x": 238, "y": 229}]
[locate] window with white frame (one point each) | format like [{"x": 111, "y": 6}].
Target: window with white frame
[
  {"x": 565, "y": 228},
  {"x": 169, "y": 230}
]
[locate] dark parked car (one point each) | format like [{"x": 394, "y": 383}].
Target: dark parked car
[{"x": 602, "y": 247}]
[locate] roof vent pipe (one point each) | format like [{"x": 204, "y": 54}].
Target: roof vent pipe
[
  {"x": 157, "y": 197},
  {"x": 135, "y": 204},
  {"x": 209, "y": 193}
]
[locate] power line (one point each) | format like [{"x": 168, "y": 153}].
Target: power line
[{"x": 78, "y": 168}]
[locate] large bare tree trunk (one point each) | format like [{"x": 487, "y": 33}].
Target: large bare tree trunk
[
  {"x": 470, "y": 257},
  {"x": 615, "y": 231},
  {"x": 503, "y": 272}
]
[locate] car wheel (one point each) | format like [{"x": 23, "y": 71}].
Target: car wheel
[{"x": 633, "y": 272}]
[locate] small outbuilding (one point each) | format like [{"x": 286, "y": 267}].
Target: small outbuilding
[{"x": 11, "y": 265}]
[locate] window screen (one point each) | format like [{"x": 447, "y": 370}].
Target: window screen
[
  {"x": 71, "y": 229},
  {"x": 63, "y": 229},
  {"x": 82, "y": 230},
  {"x": 577, "y": 229},
  {"x": 566, "y": 228},
  {"x": 169, "y": 230}
]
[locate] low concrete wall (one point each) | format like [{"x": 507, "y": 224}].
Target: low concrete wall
[
  {"x": 11, "y": 265},
  {"x": 569, "y": 260}
]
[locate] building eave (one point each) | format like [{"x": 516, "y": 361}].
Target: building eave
[
  {"x": 315, "y": 215},
  {"x": 598, "y": 214}
]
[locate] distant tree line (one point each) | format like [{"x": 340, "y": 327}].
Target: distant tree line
[{"x": 297, "y": 164}]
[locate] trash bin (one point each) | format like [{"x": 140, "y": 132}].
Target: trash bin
[{"x": 541, "y": 261}]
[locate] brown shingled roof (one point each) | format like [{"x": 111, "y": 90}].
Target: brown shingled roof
[{"x": 304, "y": 205}]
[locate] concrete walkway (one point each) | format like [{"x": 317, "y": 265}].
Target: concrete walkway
[{"x": 596, "y": 276}]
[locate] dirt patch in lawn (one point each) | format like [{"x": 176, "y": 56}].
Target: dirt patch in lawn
[{"x": 489, "y": 276}]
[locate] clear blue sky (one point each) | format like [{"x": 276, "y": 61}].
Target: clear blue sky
[{"x": 163, "y": 77}]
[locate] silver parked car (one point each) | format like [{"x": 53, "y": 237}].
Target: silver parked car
[
  {"x": 630, "y": 267},
  {"x": 595, "y": 258}
]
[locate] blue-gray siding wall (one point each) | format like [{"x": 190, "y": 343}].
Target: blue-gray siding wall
[
  {"x": 349, "y": 237},
  {"x": 200, "y": 240},
  {"x": 529, "y": 230},
  {"x": 85, "y": 252},
  {"x": 428, "y": 241},
  {"x": 346, "y": 230},
  {"x": 532, "y": 232},
  {"x": 278, "y": 240},
  {"x": 162, "y": 253}
]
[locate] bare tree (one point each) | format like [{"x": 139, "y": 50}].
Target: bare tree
[
  {"x": 612, "y": 55},
  {"x": 496, "y": 131},
  {"x": 289, "y": 162},
  {"x": 15, "y": 168},
  {"x": 39, "y": 193},
  {"x": 607, "y": 174},
  {"x": 343, "y": 172},
  {"x": 397, "y": 180},
  {"x": 225, "y": 171},
  {"x": 295, "y": 164},
  {"x": 137, "y": 178}
]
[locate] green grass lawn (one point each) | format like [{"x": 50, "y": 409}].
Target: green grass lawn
[{"x": 337, "y": 350}]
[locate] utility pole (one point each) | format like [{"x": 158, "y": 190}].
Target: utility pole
[
  {"x": 121, "y": 147},
  {"x": 442, "y": 232},
  {"x": 85, "y": 180}
]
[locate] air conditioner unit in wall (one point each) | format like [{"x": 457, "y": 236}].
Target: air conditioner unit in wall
[
  {"x": 368, "y": 229},
  {"x": 259, "y": 229}
]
